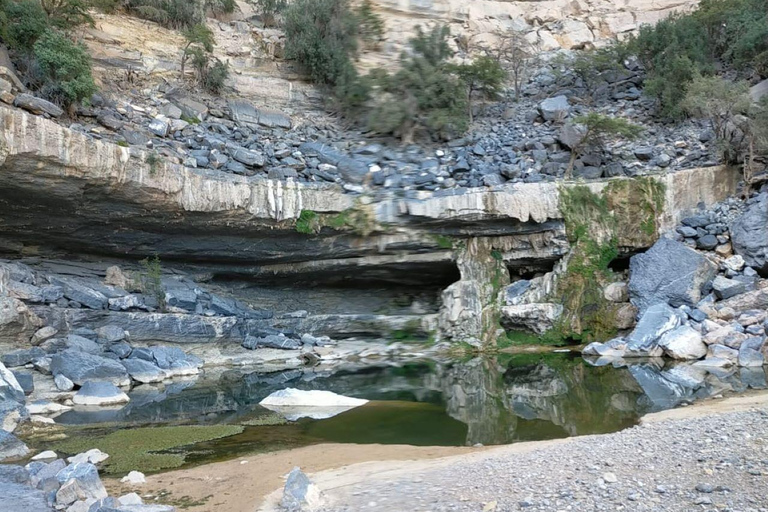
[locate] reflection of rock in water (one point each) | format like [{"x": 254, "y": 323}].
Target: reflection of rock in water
[{"x": 474, "y": 394}]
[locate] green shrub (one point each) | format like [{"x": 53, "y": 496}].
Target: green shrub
[
  {"x": 177, "y": 14},
  {"x": 65, "y": 67},
  {"x": 424, "y": 96},
  {"x": 270, "y": 10},
  {"x": 214, "y": 76},
  {"x": 321, "y": 36},
  {"x": 67, "y": 14},
  {"x": 484, "y": 75},
  {"x": 23, "y": 23}
]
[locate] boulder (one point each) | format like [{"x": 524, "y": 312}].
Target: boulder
[
  {"x": 175, "y": 361},
  {"x": 11, "y": 447},
  {"x": 555, "y": 109},
  {"x": 110, "y": 334},
  {"x": 294, "y": 404},
  {"x": 17, "y": 322},
  {"x": 668, "y": 272},
  {"x": 616, "y": 292},
  {"x": 684, "y": 342},
  {"x": 726, "y": 288},
  {"x": 86, "y": 478},
  {"x": 250, "y": 158},
  {"x": 300, "y": 494},
  {"x": 353, "y": 171},
  {"x": 571, "y": 135},
  {"x": 539, "y": 317},
  {"x": 657, "y": 320},
  {"x": 616, "y": 348},
  {"x": 144, "y": 371},
  {"x": 37, "y": 105},
  {"x": 21, "y": 357},
  {"x": 12, "y": 413},
  {"x": 80, "y": 367},
  {"x": 748, "y": 234},
  {"x": 99, "y": 393},
  {"x": 723, "y": 353},
  {"x": 9, "y": 386},
  {"x": 134, "y": 478}
]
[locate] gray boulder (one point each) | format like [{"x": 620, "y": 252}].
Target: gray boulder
[
  {"x": 37, "y": 105},
  {"x": 86, "y": 478},
  {"x": 749, "y": 234},
  {"x": 110, "y": 334},
  {"x": 299, "y": 492},
  {"x": 175, "y": 361},
  {"x": 11, "y": 447},
  {"x": 554, "y": 109},
  {"x": 726, "y": 288},
  {"x": 144, "y": 371},
  {"x": 644, "y": 340},
  {"x": 684, "y": 342},
  {"x": 668, "y": 272},
  {"x": 353, "y": 171},
  {"x": 571, "y": 135},
  {"x": 80, "y": 367}
]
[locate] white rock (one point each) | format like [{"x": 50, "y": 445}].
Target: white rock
[
  {"x": 134, "y": 478},
  {"x": 94, "y": 456},
  {"x": 41, "y": 419},
  {"x": 295, "y": 403},
  {"x": 735, "y": 263},
  {"x": 130, "y": 499},
  {"x": 610, "y": 478},
  {"x": 684, "y": 342},
  {"x": 100, "y": 393},
  {"x": 46, "y": 455},
  {"x": 42, "y": 407}
]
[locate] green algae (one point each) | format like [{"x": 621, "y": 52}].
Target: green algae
[{"x": 142, "y": 449}]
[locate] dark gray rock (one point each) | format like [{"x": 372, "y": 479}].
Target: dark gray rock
[
  {"x": 353, "y": 171},
  {"x": 644, "y": 154},
  {"x": 748, "y": 234},
  {"x": 707, "y": 242},
  {"x": 670, "y": 273},
  {"x": 726, "y": 288},
  {"x": 79, "y": 292},
  {"x": 172, "y": 358},
  {"x": 21, "y": 357},
  {"x": 110, "y": 334},
  {"x": 37, "y": 105},
  {"x": 80, "y": 367},
  {"x": 249, "y": 158},
  {"x": 26, "y": 382}
]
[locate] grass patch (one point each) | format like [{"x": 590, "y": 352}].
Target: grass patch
[
  {"x": 142, "y": 449},
  {"x": 183, "y": 502},
  {"x": 359, "y": 220},
  {"x": 305, "y": 224},
  {"x": 270, "y": 420},
  {"x": 443, "y": 242}
]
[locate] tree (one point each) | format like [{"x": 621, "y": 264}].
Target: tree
[
  {"x": 66, "y": 14},
  {"x": 424, "y": 95},
  {"x": 66, "y": 69},
  {"x": 597, "y": 129},
  {"x": 484, "y": 74},
  {"x": 23, "y": 23},
  {"x": 200, "y": 43},
  {"x": 371, "y": 24},
  {"x": 515, "y": 53},
  {"x": 321, "y": 36},
  {"x": 270, "y": 10},
  {"x": 719, "y": 101}
]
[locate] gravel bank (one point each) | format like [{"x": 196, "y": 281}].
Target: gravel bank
[{"x": 718, "y": 461}]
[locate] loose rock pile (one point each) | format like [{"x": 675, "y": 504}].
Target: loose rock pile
[
  {"x": 49, "y": 483},
  {"x": 706, "y": 304}
]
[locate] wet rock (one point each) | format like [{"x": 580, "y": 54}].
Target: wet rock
[
  {"x": 683, "y": 343},
  {"x": 300, "y": 494},
  {"x": 657, "y": 320},
  {"x": 99, "y": 393},
  {"x": 80, "y": 367},
  {"x": 668, "y": 272},
  {"x": 748, "y": 234}
]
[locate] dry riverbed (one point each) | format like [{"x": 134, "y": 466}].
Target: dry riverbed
[{"x": 710, "y": 456}]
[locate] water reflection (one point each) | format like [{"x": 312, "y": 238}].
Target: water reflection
[{"x": 485, "y": 400}]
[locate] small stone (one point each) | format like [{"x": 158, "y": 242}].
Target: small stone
[
  {"x": 134, "y": 478},
  {"x": 610, "y": 478}
]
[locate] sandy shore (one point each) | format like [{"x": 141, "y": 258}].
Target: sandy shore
[{"x": 252, "y": 483}]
